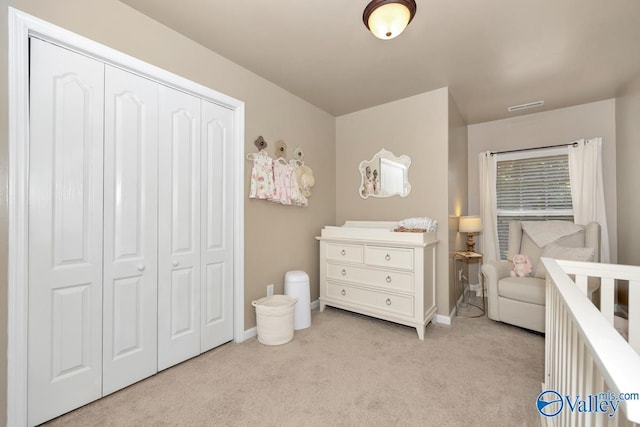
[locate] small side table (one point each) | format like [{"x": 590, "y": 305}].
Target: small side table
[{"x": 466, "y": 257}]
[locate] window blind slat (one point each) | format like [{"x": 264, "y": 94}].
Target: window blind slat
[{"x": 538, "y": 186}]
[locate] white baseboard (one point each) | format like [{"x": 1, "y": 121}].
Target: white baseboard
[
  {"x": 443, "y": 320},
  {"x": 250, "y": 333},
  {"x": 438, "y": 318},
  {"x": 446, "y": 320}
]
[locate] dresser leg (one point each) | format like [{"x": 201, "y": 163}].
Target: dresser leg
[
  {"x": 420, "y": 330},
  {"x": 322, "y": 306}
]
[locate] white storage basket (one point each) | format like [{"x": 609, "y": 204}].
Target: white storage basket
[{"x": 274, "y": 318}]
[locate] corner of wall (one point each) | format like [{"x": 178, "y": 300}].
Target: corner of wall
[
  {"x": 627, "y": 111},
  {"x": 458, "y": 188}
]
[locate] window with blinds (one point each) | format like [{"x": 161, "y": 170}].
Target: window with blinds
[{"x": 531, "y": 188}]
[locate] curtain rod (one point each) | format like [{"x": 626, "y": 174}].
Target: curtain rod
[{"x": 575, "y": 144}]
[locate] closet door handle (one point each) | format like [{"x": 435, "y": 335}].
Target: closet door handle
[
  {"x": 388, "y": 279},
  {"x": 387, "y": 257},
  {"x": 344, "y": 272},
  {"x": 388, "y": 301},
  {"x": 175, "y": 262},
  {"x": 141, "y": 267},
  {"x": 343, "y": 292}
]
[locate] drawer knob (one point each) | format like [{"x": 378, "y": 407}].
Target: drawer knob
[
  {"x": 388, "y": 301},
  {"x": 175, "y": 262},
  {"x": 141, "y": 267},
  {"x": 387, "y": 257},
  {"x": 388, "y": 279},
  {"x": 344, "y": 272},
  {"x": 343, "y": 252},
  {"x": 343, "y": 292}
]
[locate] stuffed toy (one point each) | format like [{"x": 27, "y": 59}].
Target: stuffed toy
[{"x": 521, "y": 266}]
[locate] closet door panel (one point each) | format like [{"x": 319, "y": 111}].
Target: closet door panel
[
  {"x": 130, "y": 229},
  {"x": 65, "y": 231},
  {"x": 217, "y": 223},
  {"x": 179, "y": 228}
]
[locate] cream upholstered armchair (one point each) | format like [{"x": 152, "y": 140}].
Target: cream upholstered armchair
[{"x": 520, "y": 301}]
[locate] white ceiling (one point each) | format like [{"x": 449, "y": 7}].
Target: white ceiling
[{"x": 491, "y": 53}]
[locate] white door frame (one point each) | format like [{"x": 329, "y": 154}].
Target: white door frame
[{"x": 21, "y": 26}]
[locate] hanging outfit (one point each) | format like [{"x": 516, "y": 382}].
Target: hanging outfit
[
  {"x": 282, "y": 179},
  {"x": 262, "y": 186}
]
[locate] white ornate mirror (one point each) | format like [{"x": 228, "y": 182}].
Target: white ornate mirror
[{"x": 385, "y": 175}]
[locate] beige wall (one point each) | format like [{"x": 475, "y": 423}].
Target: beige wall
[
  {"x": 277, "y": 238},
  {"x": 628, "y": 173},
  {"x": 415, "y": 126},
  {"x": 550, "y": 128},
  {"x": 458, "y": 191},
  {"x": 628, "y": 177}
]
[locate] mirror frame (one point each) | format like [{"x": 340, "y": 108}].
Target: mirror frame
[{"x": 376, "y": 161}]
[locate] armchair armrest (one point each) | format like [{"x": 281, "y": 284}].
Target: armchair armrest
[
  {"x": 592, "y": 239},
  {"x": 493, "y": 272}
]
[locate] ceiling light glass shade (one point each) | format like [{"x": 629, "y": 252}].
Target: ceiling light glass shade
[{"x": 387, "y": 19}]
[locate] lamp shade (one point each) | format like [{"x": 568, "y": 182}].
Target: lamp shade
[
  {"x": 386, "y": 19},
  {"x": 470, "y": 224}
]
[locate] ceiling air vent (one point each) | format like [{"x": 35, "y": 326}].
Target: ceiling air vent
[{"x": 525, "y": 106}]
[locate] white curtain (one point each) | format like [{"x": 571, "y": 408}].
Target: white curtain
[
  {"x": 587, "y": 188},
  {"x": 488, "y": 206}
]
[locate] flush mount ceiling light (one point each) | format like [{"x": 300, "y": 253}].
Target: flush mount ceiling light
[{"x": 386, "y": 19}]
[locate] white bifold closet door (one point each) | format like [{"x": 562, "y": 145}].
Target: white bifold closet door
[
  {"x": 65, "y": 231},
  {"x": 217, "y": 226},
  {"x": 195, "y": 252},
  {"x": 130, "y": 229},
  {"x": 179, "y": 228}
]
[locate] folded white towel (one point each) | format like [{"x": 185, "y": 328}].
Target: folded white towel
[
  {"x": 424, "y": 223},
  {"x": 544, "y": 232}
]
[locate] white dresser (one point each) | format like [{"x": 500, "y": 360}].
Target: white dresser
[{"x": 367, "y": 268}]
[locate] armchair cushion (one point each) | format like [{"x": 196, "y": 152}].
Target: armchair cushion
[
  {"x": 525, "y": 289},
  {"x": 563, "y": 252},
  {"x": 576, "y": 240}
]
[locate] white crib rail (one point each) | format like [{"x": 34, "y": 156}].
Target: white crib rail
[{"x": 584, "y": 354}]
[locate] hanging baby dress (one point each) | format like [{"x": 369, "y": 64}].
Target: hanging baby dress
[
  {"x": 282, "y": 172},
  {"x": 262, "y": 186}
]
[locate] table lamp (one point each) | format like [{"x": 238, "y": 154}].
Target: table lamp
[{"x": 470, "y": 225}]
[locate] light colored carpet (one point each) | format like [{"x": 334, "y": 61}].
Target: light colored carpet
[{"x": 346, "y": 370}]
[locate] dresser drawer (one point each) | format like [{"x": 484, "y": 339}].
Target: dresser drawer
[
  {"x": 402, "y": 305},
  {"x": 390, "y": 280},
  {"x": 349, "y": 253},
  {"x": 389, "y": 257}
]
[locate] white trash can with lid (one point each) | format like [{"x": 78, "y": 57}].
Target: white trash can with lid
[
  {"x": 274, "y": 318},
  {"x": 296, "y": 283}
]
